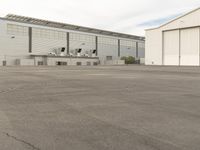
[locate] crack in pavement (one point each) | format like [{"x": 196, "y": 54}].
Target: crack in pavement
[{"x": 22, "y": 141}]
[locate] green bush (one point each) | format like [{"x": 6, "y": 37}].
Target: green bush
[{"x": 129, "y": 59}]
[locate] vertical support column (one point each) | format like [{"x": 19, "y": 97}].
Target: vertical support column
[
  {"x": 96, "y": 45},
  {"x": 163, "y": 49},
  {"x": 137, "y": 49},
  {"x": 119, "y": 54},
  {"x": 179, "y": 47},
  {"x": 30, "y": 39},
  {"x": 67, "y": 43}
]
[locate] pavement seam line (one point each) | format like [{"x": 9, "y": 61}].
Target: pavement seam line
[{"x": 22, "y": 141}]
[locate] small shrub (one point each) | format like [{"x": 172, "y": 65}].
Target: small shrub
[{"x": 129, "y": 59}]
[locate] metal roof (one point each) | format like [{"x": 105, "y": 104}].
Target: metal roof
[{"x": 29, "y": 20}]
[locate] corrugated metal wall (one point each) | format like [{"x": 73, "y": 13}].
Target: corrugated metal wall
[
  {"x": 141, "y": 50},
  {"x": 107, "y": 47},
  {"x": 44, "y": 41},
  {"x": 83, "y": 41},
  {"x": 127, "y": 48},
  {"x": 13, "y": 42}
]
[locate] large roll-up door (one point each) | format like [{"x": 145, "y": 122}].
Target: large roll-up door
[
  {"x": 171, "y": 47},
  {"x": 189, "y": 47}
]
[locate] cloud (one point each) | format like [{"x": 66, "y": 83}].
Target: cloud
[
  {"x": 158, "y": 22},
  {"x": 126, "y": 16}
]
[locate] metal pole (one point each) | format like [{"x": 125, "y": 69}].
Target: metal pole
[
  {"x": 67, "y": 42},
  {"x": 96, "y": 44},
  {"x": 136, "y": 49},
  {"x": 119, "y": 53},
  {"x": 30, "y": 39}
]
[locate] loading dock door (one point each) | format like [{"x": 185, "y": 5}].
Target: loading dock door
[
  {"x": 171, "y": 47},
  {"x": 189, "y": 47}
]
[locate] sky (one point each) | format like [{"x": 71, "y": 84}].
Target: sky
[{"x": 125, "y": 16}]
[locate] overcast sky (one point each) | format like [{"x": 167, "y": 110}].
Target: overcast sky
[{"x": 126, "y": 16}]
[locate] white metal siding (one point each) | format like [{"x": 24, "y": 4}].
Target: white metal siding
[
  {"x": 171, "y": 47},
  {"x": 190, "y": 20},
  {"x": 18, "y": 47},
  {"x": 42, "y": 44},
  {"x": 107, "y": 47},
  {"x": 153, "y": 47},
  {"x": 13, "y": 44},
  {"x": 187, "y": 47},
  {"x": 141, "y": 50},
  {"x": 127, "y": 48},
  {"x": 83, "y": 41},
  {"x": 190, "y": 47}
]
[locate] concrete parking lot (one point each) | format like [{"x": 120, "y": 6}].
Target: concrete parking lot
[{"x": 100, "y": 108}]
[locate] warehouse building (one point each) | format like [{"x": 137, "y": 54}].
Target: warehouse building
[
  {"x": 30, "y": 41},
  {"x": 176, "y": 42}
]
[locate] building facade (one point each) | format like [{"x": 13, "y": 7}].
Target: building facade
[
  {"x": 175, "y": 43},
  {"x": 22, "y": 38}
]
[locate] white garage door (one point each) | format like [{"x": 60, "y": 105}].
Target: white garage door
[
  {"x": 171, "y": 47},
  {"x": 190, "y": 47}
]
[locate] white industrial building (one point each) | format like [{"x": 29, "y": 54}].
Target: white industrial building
[
  {"x": 176, "y": 42},
  {"x": 31, "y": 41}
]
